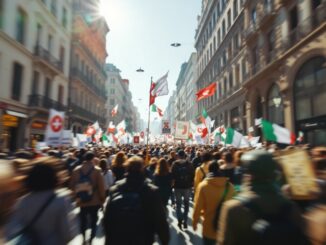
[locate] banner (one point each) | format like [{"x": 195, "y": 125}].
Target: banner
[
  {"x": 182, "y": 130},
  {"x": 67, "y": 138},
  {"x": 136, "y": 139},
  {"x": 166, "y": 127},
  {"x": 54, "y": 130}
]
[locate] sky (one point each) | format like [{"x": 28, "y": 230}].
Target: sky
[{"x": 141, "y": 32}]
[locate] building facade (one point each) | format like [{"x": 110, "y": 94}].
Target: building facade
[
  {"x": 119, "y": 94},
  {"x": 88, "y": 96},
  {"x": 221, "y": 60},
  {"x": 169, "y": 113},
  {"x": 181, "y": 95},
  {"x": 286, "y": 53},
  {"x": 34, "y": 54}
]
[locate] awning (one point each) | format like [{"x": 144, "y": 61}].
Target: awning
[{"x": 16, "y": 114}]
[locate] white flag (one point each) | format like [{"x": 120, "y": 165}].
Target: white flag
[
  {"x": 161, "y": 86},
  {"x": 55, "y": 127}
]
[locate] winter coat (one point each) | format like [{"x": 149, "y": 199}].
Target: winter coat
[
  {"x": 208, "y": 195},
  {"x": 199, "y": 175},
  {"x": 164, "y": 184}
]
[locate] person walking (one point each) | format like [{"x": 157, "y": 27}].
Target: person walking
[
  {"x": 202, "y": 170},
  {"x": 46, "y": 214},
  {"x": 182, "y": 174},
  {"x": 228, "y": 167},
  {"x": 134, "y": 213},
  {"x": 210, "y": 195},
  {"x": 163, "y": 180},
  {"x": 117, "y": 165},
  {"x": 107, "y": 175},
  {"x": 88, "y": 186},
  {"x": 260, "y": 214}
]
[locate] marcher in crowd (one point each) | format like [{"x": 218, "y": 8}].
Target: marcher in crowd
[{"x": 117, "y": 165}]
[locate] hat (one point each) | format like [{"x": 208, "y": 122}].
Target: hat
[
  {"x": 181, "y": 153},
  {"x": 259, "y": 163}
]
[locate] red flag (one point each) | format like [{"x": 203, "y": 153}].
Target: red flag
[
  {"x": 204, "y": 132},
  {"x": 151, "y": 95},
  {"x": 206, "y": 92},
  {"x": 90, "y": 131}
]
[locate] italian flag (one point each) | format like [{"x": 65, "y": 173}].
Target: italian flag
[
  {"x": 276, "y": 133},
  {"x": 156, "y": 109},
  {"x": 111, "y": 128},
  {"x": 233, "y": 137},
  {"x": 114, "y": 111}
]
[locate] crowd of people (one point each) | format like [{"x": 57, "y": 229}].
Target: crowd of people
[{"x": 240, "y": 196}]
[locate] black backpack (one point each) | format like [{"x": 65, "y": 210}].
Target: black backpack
[
  {"x": 84, "y": 187},
  {"x": 127, "y": 217},
  {"x": 274, "y": 229},
  {"x": 183, "y": 177}
]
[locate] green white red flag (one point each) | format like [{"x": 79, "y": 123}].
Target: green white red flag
[
  {"x": 156, "y": 109},
  {"x": 159, "y": 88},
  {"x": 276, "y": 133},
  {"x": 114, "y": 111}
]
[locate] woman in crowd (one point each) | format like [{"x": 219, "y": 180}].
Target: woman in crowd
[
  {"x": 228, "y": 168},
  {"x": 163, "y": 180},
  {"x": 117, "y": 165},
  {"x": 107, "y": 174}
]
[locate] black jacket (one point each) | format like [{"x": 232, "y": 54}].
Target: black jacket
[
  {"x": 182, "y": 174},
  {"x": 154, "y": 221}
]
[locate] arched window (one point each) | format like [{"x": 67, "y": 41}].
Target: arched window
[
  {"x": 275, "y": 108},
  {"x": 310, "y": 89}
]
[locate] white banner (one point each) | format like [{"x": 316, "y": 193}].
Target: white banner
[
  {"x": 67, "y": 138},
  {"x": 182, "y": 130},
  {"x": 54, "y": 130}
]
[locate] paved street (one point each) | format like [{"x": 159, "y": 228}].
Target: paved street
[{"x": 178, "y": 237}]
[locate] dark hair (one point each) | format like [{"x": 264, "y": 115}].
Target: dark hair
[
  {"x": 103, "y": 165},
  {"x": 42, "y": 177},
  {"x": 217, "y": 156},
  {"x": 89, "y": 156},
  {"x": 205, "y": 156},
  {"x": 162, "y": 168},
  {"x": 134, "y": 165},
  {"x": 228, "y": 157},
  {"x": 213, "y": 167}
]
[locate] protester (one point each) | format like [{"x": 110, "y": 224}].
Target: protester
[
  {"x": 260, "y": 215},
  {"x": 107, "y": 175},
  {"x": 202, "y": 170},
  {"x": 71, "y": 162},
  {"x": 196, "y": 162},
  {"x": 150, "y": 169},
  {"x": 134, "y": 212},
  {"x": 210, "y": 195},
  {"x": 44, "y": 212},
  {"x": 88, "y": 185},
  {"x": 227, "y": 169},
  {"x": 117, "y": 165},
  {"x": 163, "y": 180},
  {"x": 183, "y": 174}
]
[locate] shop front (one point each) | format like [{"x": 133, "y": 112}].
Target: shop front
[{"x": 37, "y": 132}]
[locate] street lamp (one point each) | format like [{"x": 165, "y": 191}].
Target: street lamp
[
  {"x": 140, "y": 70},
  {"x": 175, "y": 45}
]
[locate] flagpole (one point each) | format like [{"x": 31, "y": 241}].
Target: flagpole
[{"x": 149, "y": 118}]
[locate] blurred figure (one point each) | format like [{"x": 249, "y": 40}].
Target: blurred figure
[
  {"x": 88, "y": 185},
  {"x": 117, "y": 165},
  {"x": 183, "y": 174},
  {"x": 260, "y": 215},
  {"x": 202, "y": 170},
  {"x": 44, "y": 213},
  {"x": 71, "y": 162},
  {"x": 134, "y": 212},
  {"x": 163, "y": 180},
  {"x": 196, "y": 162},
  {"x": 210, "y": 194},
  {"x": 228, "y": 168},
  {"x": 107, "y": 175},
  {"x": 150, "y": 169}
]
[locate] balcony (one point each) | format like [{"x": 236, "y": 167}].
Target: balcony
[
  {"x": 89, "y": 82},
  {"x": 42, "y": 102},
  {"x": 266, "y": 16},
  {"x": 90, "y": 116},
  {"x": 306, "y": 27},
  {"x": 251, "y": 33},
  {"x": 44, "y": 57}
]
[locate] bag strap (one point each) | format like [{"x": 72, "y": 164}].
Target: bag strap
[
  {"x": 203, "y": 172},
  {"x": 219, "y": 206}
]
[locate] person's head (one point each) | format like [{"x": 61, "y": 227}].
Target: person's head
[
  {"x": 134, "y": 166},
  {"x": 228, "y": 158},
  {"x": 103, "y": 165},
  {"x": 153, "y": 161},
  {"x": 181, "y": 154},
  {"x": 96, "y": 161},
  {"x": 259, "y": 165},
  {"x": 216, "y": 156},
  {"x": 162, "y": 167},
  {"x": 206, "y": 156},
  {"x": 213, "y": 168},
  {"x": 42, "y": 177},
  {"x": 119, "y": 159},
  {"x": 89, "y": 156},
  {"x": 172, "y": 154}
]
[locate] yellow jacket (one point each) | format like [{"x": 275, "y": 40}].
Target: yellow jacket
[
  {"x": 199, "y": 176},
  {"x": 208, "y": 195}
]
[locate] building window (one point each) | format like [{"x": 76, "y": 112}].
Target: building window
[
  {"x": 244, "y": 70},
  {"x": 21, "y": 26},
  {"x": 235, "y": 9},
  {"x": 315, "y": 3},
  {"x": 38, "y": 34},
  {"x": 229, "y": 19},
  {"x": 268, "y": 5},
  {"x": 235, "y": 118},
  {"x": 62, "y": 57},
  {"x": 112, "y": 101},
  {"x": 112, "y": 91},
  {"x": 35, "y": 83},
  {"x": 275, "y": 106},
  {"x": 64, "y": 19},
  {"x": 225, "y": 85},
  {"x": 47, "y": 88},
  {"x": 1, "y": 14},
  {"x": 17, "y": 77},
  {"x": 223, "y": 28},
  {"x": 253, "y": 16},
  {"x": 60, "y": 94},
  {"x": 270, "y": 45},
  {"x": 50, "y": 43},
  {"x": 230, "y": 79},
  {"x": 293, "y": 18},
  {"x": 54, "y": 7},
  {"x": 214, "y": 42}
]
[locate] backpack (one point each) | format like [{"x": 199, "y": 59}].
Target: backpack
[
  {"x": 27, "y": 236},
  {"x": 274, "y": 229},
  {"x": 127, "y": 217},
  {"x": 183, "y": 176},
  {"x": 84, "y": 187}
]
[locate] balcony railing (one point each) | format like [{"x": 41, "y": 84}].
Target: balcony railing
[
  {"x": 89, "y": 82},
  {"x": 251, "y": 31},
  {"x": 44, "y": 102},
  {"x": 46, "y": 56},
  {"x": 79, "y": 111},
  {"x": 266, "y": 14}
]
